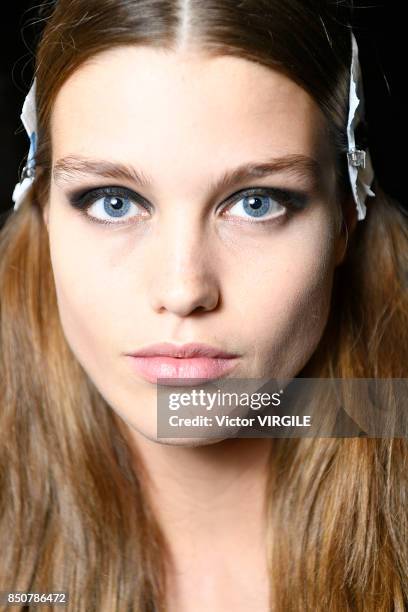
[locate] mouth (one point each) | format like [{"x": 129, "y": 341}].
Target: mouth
[{"x": 179, "y": 363}]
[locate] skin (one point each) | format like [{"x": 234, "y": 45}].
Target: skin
[{"x": 187, "y": 273}]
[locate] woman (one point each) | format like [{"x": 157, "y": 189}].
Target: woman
[{"x": 145, "y": 111}]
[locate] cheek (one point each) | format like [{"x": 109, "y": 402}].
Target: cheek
[
  {"x": 84, "y": 294},
  {"x": 289, "y": 298}
]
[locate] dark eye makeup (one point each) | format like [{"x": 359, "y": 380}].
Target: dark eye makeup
[{"x": 291, "y": 200}]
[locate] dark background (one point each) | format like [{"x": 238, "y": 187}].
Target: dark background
[{"x": 378, "y": 27}]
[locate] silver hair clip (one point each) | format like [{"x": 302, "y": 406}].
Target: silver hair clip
[
  {"x": 360, "y": 168},
  {"x": 357, "y": 158},
  {"x": 29, "y": 119}
]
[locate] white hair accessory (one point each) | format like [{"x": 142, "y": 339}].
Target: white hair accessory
[
  {"x": 29, "y": 119},
  {"x": 359, "y": 161}
]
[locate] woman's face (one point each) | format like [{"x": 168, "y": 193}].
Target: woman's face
[{"x": 188, "y": 256}]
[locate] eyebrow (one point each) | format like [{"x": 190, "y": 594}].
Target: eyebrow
[{"x": 302, "y": 166}]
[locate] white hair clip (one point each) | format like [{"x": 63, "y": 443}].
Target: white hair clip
[
  {"x": 359, "y": 161},
  {"x": 29, "y": 119}
]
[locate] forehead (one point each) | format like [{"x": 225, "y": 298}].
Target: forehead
[{"x": 154, "y": 106}]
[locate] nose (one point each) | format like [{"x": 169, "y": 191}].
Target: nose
[{"x": 185, "y": 278}]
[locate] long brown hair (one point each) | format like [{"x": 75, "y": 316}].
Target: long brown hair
[{"x": 74, "y": 509}]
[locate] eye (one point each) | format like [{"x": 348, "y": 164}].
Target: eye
[
  {"x": 266, "y": 204},
  {"x": 105, "y": 204}
]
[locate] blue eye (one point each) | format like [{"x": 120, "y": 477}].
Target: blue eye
[
  {"x": 115, "y": 206},
  {"x": 267, "y": 203},
  {"x": 256, "y": 205},
  {"x": 105, "y": 204}
]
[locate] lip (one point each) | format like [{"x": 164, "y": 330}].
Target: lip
[{"x": 194, "y": 360}]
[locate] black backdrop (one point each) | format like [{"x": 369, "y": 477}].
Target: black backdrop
[{"x": 380, "y": 32}]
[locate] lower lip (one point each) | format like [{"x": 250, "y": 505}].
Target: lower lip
[{"x": 203, "y": 368}]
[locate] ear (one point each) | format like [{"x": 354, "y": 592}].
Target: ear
[{"x": 348, "y": 226}]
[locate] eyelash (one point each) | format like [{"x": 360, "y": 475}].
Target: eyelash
[{"x": 291, "y": 200}]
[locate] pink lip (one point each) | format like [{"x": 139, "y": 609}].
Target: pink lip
[{"x": 193, "y": 360}]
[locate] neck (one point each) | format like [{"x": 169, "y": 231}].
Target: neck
[{"x": 207, "y": 497}]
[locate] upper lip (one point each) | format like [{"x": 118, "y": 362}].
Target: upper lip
[{"x": 192, "y": 349}]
